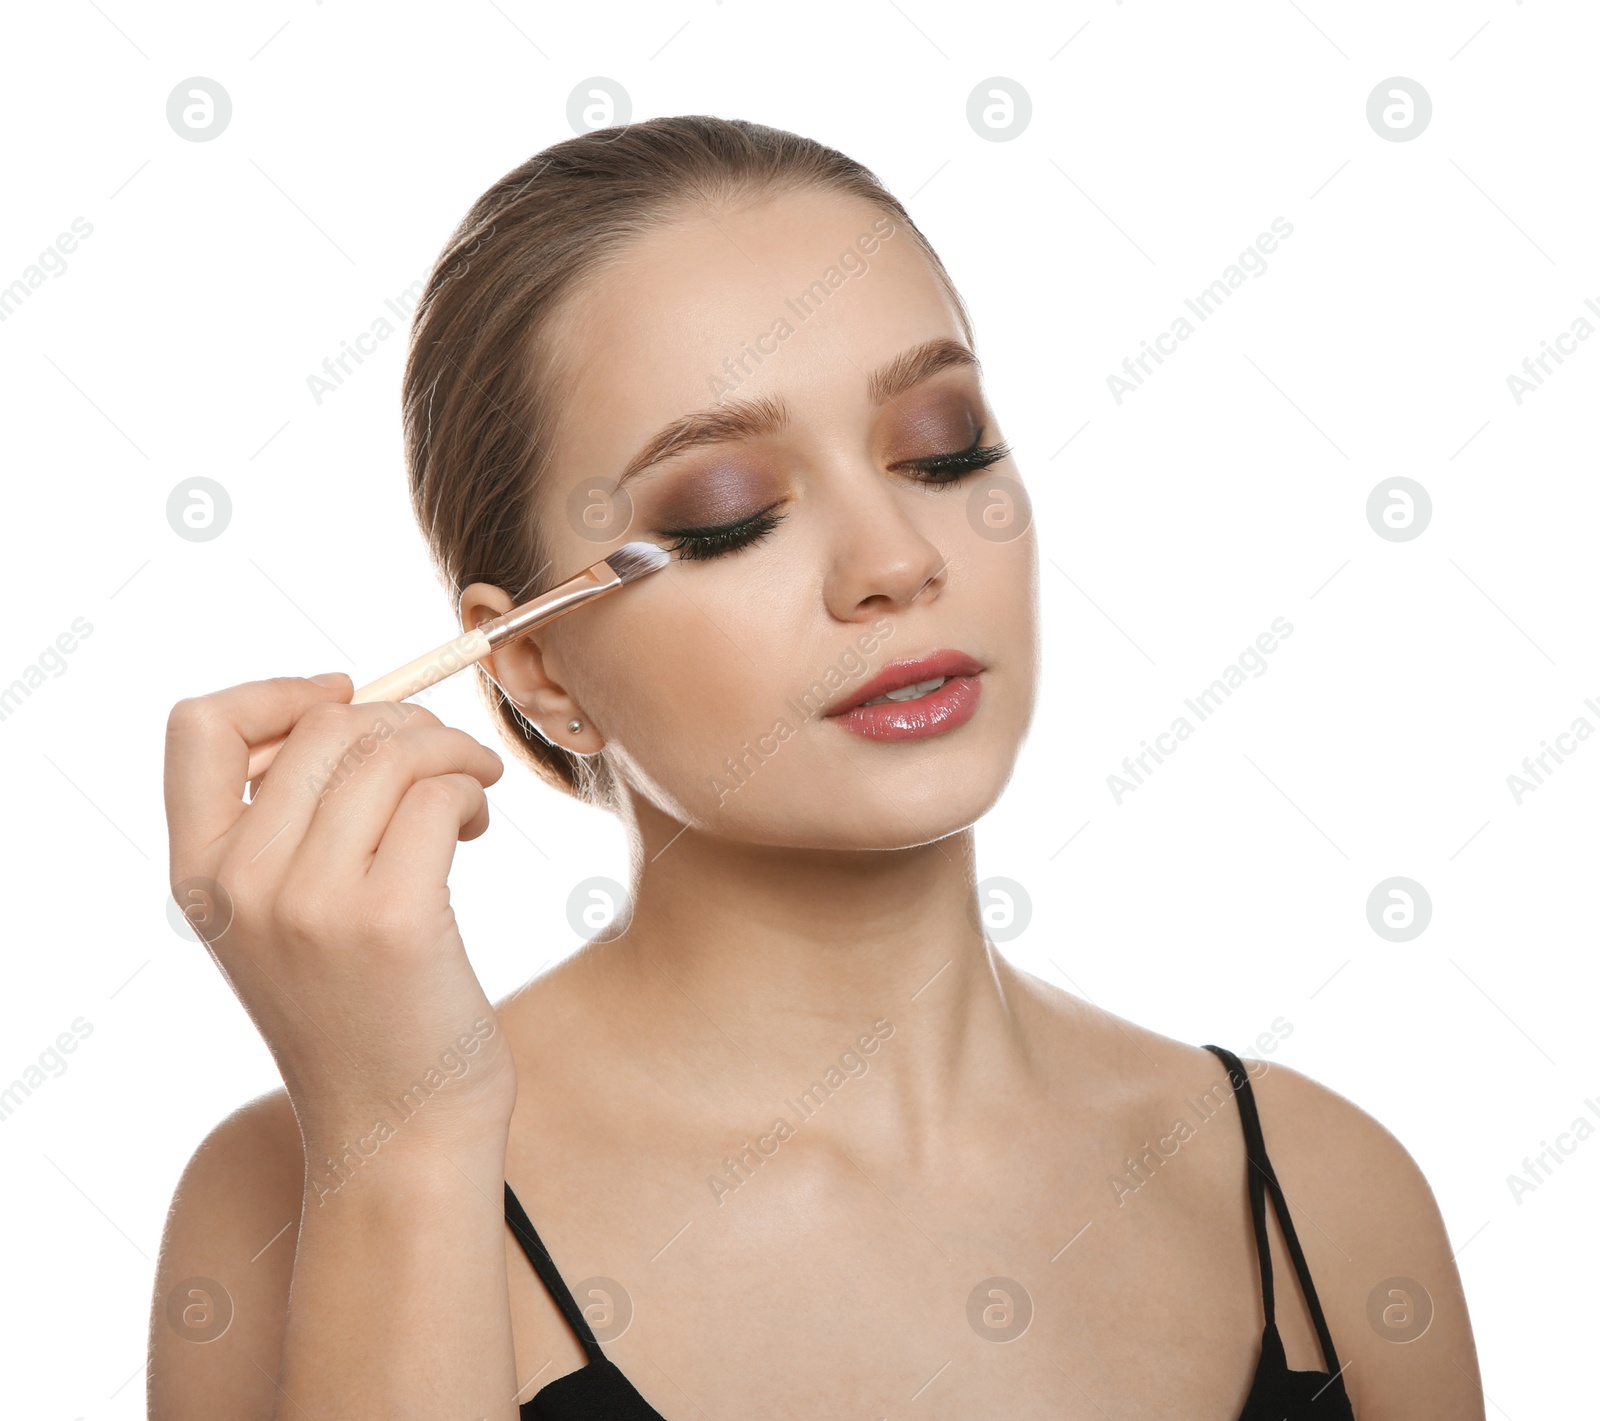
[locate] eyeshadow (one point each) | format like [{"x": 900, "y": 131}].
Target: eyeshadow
[
  {"x": 708, "y": 497},
  {"x": 921, "y": 427}
]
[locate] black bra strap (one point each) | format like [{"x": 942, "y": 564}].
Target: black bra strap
[
  {"x": 1254, "y": 1150},
  {"x": 545, "y": 1267},
  {"x": 1263, "y": 1175}
]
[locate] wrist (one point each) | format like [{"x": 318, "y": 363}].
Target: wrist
[{"x": 386, "y": 1168}]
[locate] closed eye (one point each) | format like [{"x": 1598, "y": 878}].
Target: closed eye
[
  {"x": 718, "y": 539},
  {"x": 949, "y": 468}
]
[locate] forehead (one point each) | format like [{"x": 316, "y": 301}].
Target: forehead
[{"x": 801, "y": 295}]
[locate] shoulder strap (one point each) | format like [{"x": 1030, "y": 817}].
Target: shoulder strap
[
  {"x": 545, "y": 1267},
  {"x": 1261, "y": 1174}
]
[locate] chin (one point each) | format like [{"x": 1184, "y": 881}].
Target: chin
[{"x": 853, "y": 802}]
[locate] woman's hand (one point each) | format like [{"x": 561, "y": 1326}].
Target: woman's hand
[{"x": 324, "y": 902}]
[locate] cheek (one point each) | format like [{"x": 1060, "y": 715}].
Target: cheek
[
  {"x": 995, "y": 507},
  {"x": 674, "y": 684}
]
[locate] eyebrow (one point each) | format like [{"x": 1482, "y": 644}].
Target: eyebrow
[{"x": 750, "y": 419}]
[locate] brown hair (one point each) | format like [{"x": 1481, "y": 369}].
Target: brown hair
[{"x": 481, "y": 380}]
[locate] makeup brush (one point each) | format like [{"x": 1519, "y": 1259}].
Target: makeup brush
[{"x": 628, "y": 564}]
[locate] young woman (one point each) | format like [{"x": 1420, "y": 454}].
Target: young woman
[{"x": 794, "y": 1139}]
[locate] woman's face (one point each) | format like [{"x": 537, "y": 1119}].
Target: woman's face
[{"x": 789, "y": 401}]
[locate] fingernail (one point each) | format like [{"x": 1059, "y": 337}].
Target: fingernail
[{"x": 329, "y": 678}]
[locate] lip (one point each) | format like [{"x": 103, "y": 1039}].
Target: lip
[{"x": 953, "y": 704}]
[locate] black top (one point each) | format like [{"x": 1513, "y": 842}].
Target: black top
[{"x": 600, "y": 1392}]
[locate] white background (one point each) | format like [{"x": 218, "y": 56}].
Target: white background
[{"x": 1228, "y": 891}]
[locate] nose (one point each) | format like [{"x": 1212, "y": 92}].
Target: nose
[{"x": 881, "y": 561}]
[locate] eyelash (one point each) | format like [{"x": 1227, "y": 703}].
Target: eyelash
[
  {"x": 699, "y": 543},
  {"x": 695, "y": 543},
  {"x": 947, "y": 468}
]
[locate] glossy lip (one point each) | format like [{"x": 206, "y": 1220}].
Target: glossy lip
[
  {"x": 898, "y": 674},
  {"x": 953, "y": 704}
]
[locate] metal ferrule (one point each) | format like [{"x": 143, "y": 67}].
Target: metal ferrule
[{"x": 589, "y": 584}]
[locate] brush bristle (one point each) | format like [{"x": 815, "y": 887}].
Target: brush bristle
[{"x": 632, "y": 561}]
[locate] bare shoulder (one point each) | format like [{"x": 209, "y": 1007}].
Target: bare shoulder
[
  {"x": 562, "y": 1003},
  {"x": 1375, "y": 1243},
  {"x": 1143, "y": 1061},
  {"x": 227, "y": 1257},
  {"x": 1377, "y": 1248}
]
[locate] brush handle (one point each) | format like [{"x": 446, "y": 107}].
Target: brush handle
[
  {"x": 468, "y": 648},
  {"x": 401, "y": 683}
]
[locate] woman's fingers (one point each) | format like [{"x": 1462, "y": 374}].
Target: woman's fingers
[
  {"x": 208, "y": 748},
  {"x": 352, "y": 810},
  {"x": 420, "y": 842},
  {"x": 327, "y": 744}
]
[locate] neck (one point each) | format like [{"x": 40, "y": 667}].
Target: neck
[{"x": 778, "y": 960}]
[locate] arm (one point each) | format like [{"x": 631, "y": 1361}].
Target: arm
[
  {"x": 399, "y": 1285},
  {"x": 324, "y": 902}
]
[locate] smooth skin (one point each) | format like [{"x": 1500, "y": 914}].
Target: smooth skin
[{"x": 826, "y": 900}]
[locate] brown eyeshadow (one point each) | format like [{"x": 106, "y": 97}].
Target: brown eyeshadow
[
  {"x": 708, "y": 498},
  {"x": 931, "y": 425}
]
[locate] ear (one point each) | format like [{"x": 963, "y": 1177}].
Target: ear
[{"x": 518, "y": 669}]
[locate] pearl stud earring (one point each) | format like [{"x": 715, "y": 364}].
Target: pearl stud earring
[{"x": 574, "y": 726}]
